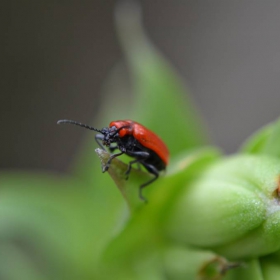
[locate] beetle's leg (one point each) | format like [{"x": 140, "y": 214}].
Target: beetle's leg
[
  {"x": 140, "y": 155},
  {"x": 99, "y": 138},
  {"x": 130, "y": 166},
  {"x": 107, "y": 165},
  {"x": 152, "y": 170}
]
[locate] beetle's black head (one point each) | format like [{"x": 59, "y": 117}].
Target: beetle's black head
[{"x": 110, "y": 135}]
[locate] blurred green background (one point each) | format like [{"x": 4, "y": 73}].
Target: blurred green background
[{"x": 66, "y": 60}]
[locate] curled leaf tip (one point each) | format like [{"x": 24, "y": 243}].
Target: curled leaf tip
[
  {"x": 103, "y": 155},
  {"x": 116, "y": 166}
]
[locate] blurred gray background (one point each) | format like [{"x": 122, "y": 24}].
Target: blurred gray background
[{"x": 55, "y": 56}]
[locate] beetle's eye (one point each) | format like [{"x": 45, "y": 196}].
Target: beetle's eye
[{"x": 112, "y": 131}]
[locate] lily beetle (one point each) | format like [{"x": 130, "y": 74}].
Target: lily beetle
[{"x": 135, "y": 140}]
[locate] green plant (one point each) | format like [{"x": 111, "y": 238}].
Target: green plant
[{"x": 210, "y": 217}]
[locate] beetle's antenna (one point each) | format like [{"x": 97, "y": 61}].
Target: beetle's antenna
[{"x": 79, "y": 124}]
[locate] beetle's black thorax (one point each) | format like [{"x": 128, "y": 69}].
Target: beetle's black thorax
[{"x": 128, "y": 143}]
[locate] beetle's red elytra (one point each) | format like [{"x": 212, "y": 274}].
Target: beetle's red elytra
[
  {"x": 144, "y": 136},
  {"x": 135, "y": 140}
]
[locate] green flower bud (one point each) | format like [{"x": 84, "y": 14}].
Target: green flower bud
[{"x": 232, "y": 208}]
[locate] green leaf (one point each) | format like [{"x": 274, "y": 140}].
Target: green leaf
[
  {"x": 266, "y": 141},
  {"x": 272, "y": 146},
  {"x": 256, "y": 143}
]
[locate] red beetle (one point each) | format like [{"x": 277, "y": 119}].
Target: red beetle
[{"x": 135, "y": 140}]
